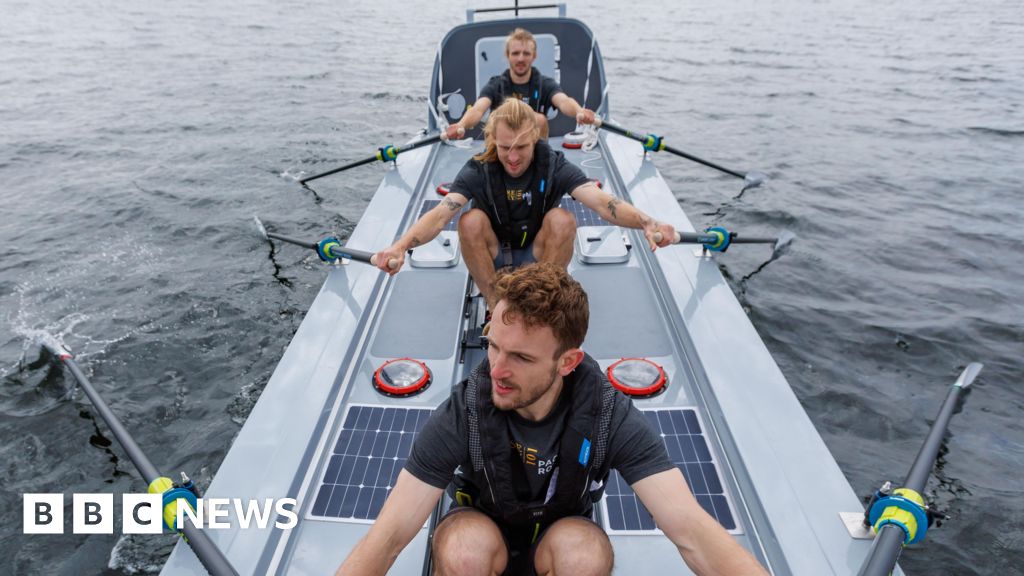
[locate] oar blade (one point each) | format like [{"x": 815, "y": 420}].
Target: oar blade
[
  {"x": 753, "y": 179},
  {"x": 968, "y": 375}
]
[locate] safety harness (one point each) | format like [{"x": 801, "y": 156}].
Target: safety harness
[
  {"x": 516, "y": 234},
  {"x": 581, "y": 453},
  {"x": 534, "y": 90}
]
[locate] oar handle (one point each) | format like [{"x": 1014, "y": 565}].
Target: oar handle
[
  {"x": 717, "y": 239},
  {"x": 360, "y": 255}
]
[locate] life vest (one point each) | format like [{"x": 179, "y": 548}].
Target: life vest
[
  {"x": 520, "y": 233},
  {"x": 534, "y": 92},
  {"x": 581, "y": 454}
]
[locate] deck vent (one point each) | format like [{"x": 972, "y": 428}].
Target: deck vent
[
  {"x": 638, "y": 377},
  {"x": 401, "y": 377}
]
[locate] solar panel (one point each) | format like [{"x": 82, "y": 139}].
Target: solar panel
[
  {"x": 584, "y": 216},
  {"x": 683, "y": 435},
  {"x": 371, "y": 450}
]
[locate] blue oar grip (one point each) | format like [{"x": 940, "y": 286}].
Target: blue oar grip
[
  {"x": 325, "y": 246},
  {"x": 903, "y": 508},
  {"x": 653, "y": 143},
  {"x": 387, "y": 153},
  {"x": 724, "y": 238}
]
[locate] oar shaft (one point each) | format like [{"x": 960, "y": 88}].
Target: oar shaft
[
  {"x": 206, "y": 551},
  {"x": 707, "y": 163},
  {"x": 351, "y": 254},
  {"x": 291, "y": 240},
  {"x": 890, "y": 539},
  {"x": 695, "y": 238},
  {"x": 341, "y": 169},
  {"x": 885, "y": 551},
  {"x": 925, "y": 461},
  {"x": 394, "y": 149},
  {"x": 145, "y": 467},
  {"x": 642, "y": 138}
]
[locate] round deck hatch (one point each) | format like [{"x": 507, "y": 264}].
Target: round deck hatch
[
  {"x": 637, "y": 377},
  {"x": 402, "y": 377},
  {"x": 573, "y": 140},
  {"x": 444, "y": 188}
]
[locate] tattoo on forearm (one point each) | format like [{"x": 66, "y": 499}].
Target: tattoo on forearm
[
  {"x": 451, "y": 204},
  {"x": 612, "y": 204},
  {"x": 414, "y": 242}
]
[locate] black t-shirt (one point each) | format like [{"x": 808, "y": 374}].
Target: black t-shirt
[
  {"x": 634, "y": 449},
  {"x": 548, "y": 88},
  {"x": 565, "y": 178}
]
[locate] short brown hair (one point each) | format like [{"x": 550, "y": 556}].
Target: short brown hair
[
  {"x": 544, "y": 294},
  {"x": 522, "y": 35},
  {"x": 517, "y": 115}
]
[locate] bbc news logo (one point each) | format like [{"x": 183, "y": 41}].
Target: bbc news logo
[{"x": 143, "y": 513}]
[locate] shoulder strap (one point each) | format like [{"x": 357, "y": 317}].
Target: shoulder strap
[{"x": 476, "y": 454}]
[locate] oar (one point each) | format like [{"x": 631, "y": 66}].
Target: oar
[
  {"x": 654, "y": 143},
  {"x": 330, "y": 249},
  {"x": 384, "y": 154},
  {"x": 716, "y": 239},
  {"x": 900, "y": 516},
  {"x": 174, "y": 495}
]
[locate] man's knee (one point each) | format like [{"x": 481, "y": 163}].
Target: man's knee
[
  {"x": 474, "y": 226},
  {"x": 468, "y": 543},
  {"x": 560, "y": 223},
  {"x": 575, "y": 546}
]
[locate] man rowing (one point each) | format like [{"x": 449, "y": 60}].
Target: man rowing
[
  {"x": 516, "y": 185},
  {"x": 524, "y": 82},
  {"x": 525, "y": 446}
]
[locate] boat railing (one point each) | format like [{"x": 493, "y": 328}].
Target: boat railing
[{"x": 472, "y": 12}]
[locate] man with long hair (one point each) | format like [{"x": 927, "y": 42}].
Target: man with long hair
[
  {"x": 525, "y": 446},
  {"x": 523, "y": 82},
  {"x": 516, "y": 185}
]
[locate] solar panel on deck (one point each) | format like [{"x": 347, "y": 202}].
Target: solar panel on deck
[
  {"x": 584, "y": 216},
  {"x": 371, "y": 450},
  {"x": 681, "y": 431}
]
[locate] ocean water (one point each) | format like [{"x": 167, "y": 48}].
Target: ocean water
[{"x": 140, "y": 142}]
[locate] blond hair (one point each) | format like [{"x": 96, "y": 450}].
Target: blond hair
[
  {"x": 522, "y": 35},
  {"x": 515, "y": 114}
]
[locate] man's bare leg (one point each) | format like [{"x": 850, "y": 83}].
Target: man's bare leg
[
  {"x": 554, "y": 241},
  {"x": 479, "y": 249},
  {"x": 574, "y": 546},
  {"x": 468, "y": 543}
]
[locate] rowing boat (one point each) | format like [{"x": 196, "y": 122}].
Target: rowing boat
[{"x": 375, "y": 354}]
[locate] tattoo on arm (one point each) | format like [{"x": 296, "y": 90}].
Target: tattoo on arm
[
  {"x": 451, "y": 204},
  {"x": 612, "y": 204},
  {"x": 414, "y": 242}
]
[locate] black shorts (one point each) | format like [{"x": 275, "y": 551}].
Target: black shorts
[{"x": 521, "y": 543}]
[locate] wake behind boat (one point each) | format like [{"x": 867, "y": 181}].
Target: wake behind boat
[{"x": 375, "y": 355}]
